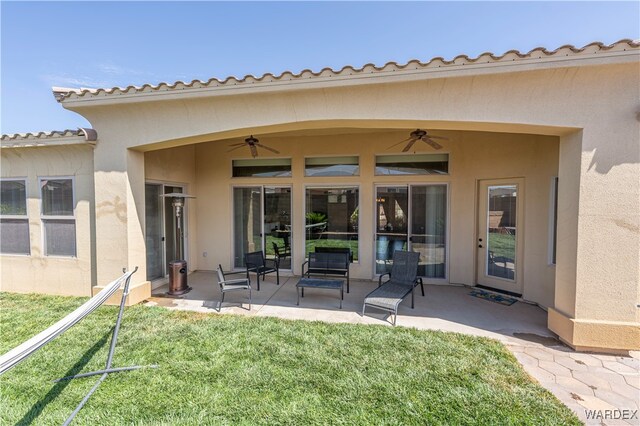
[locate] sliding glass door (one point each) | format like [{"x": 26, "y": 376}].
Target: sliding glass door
[
  {"x": 392, "y": 224},
  {"x": 332, "y": 219},
  {"x": 412, "y": 217},
  {"x": 428, "y": 228},
  {"x": 262, "y": 221},
  {"x": 277, "y": 224},
  {"x": 247, "y": 222}
]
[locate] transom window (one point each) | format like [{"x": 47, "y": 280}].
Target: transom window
[
  {"x": 58, "y": 218},
  {"x": 332, "y": 166},
  {"x": 262, "y": 167},
  {"x": 14, "y": 223},
  {"x": 421, "y": 164}
]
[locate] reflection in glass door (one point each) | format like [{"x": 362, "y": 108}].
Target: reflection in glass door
[
  {"x": 277, "y": 225},
  {"x": 498, "y": 236},
  {"x": 412, "y": 218},
  {"x": 153, "y": 231},
  {"x": 428, "y": 229},
  {"x": 262, "y": 221},
  {"x": 247, "y": 222},
  {"x": 392, "y": 218}
]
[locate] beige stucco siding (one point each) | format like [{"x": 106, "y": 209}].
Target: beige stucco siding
[{"x": 38, "y": 273}]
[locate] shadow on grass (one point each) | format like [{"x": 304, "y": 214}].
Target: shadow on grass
[{"x": 56, "y": 390}]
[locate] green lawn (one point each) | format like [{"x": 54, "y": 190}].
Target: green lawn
[
  {"x": 236, "y": 370},
  {"x": 503, "y": 245}
]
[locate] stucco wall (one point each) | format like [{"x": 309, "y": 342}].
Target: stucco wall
[
  {"x": 473, "y": 156},
  {"x": 38, "y": 273}
]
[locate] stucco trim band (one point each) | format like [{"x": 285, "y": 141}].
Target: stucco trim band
[
  {"x": 595, "y": 335},
  {"x": 138, "y": 293}
]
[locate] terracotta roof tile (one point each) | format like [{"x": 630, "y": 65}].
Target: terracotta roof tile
[{"x": 62, "y": 94}]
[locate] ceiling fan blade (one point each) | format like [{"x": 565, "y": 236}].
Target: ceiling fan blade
[
  {"x": 269, "y": 149},
  {"x": 237, "y": 147},
  {"x": 254, "y": 151},
  {"x": 409, "y": 145},
  {"x": 401, "y": 142},
  {"x": 438, "y": 137},
  {"x": 431, "y": 142},
  {"x": 237, "y": 144}
]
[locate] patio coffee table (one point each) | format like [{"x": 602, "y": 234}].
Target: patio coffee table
[{"x": 320, "y": 283}]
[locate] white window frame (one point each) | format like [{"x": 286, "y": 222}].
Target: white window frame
[
  {"x": 21, "y": 217},
  {"x": 44, "y": 218}
]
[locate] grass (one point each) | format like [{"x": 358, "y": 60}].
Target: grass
[
  {"x": 237, "y": 370},
  {"x": 502, "y": 245}
]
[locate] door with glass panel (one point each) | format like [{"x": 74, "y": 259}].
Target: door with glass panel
[
  {"x": 160, "y": 229},
  {"x": 392, "y": 224},
  {"x": 428, "y": 228},
  {"x": 499, "y": 240},
  {"x": 412, "y": 218},
  {"x": 154, "y": 235},
  {"x": 262, "y": 221}
]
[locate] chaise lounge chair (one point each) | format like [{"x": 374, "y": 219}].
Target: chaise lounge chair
[{"x": 402, "y": 281}]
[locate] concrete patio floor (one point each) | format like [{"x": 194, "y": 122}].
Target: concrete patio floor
[{"x": 581, "y": 381}]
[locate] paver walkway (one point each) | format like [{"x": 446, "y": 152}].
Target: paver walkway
[{"x": 589, "y": 384}]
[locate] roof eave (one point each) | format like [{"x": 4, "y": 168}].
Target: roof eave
[{"x": 486, "y": 63}]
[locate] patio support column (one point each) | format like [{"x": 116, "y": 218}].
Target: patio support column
[
  {"x": 119, "y": 219},
  {"x": 598, "y": 284}
]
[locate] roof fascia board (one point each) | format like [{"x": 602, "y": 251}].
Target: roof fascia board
[{"x": 357, "y": 78}]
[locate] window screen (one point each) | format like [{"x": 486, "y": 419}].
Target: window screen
[
  {"x": 58, "y": 222},
  {"x": 14, "y": 224}
]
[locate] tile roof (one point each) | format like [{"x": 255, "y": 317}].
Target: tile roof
[
  {"x": 56, "y": 137},
  {"x": 539, "y": 53}
]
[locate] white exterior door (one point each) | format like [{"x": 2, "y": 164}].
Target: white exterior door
[{"x": 500, "y": 240}]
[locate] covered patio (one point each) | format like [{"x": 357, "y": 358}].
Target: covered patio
[{"x": 444, "y": 307}]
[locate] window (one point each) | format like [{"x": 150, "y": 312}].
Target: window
[
  {"x": 332, "y": 219},
  {"x": 14, "y": 223},
  {"x": 58, "y": 218},
  {"x": 268, "y": 167},
  {"x": 554, "y": 220},
  {"x": 331, "y": 166},
  {"x": 422, "y": 164}
]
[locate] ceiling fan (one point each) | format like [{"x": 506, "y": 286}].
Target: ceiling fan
[
  {"x": 420, "y": 135},
  {"x": 253, "y": 144}
]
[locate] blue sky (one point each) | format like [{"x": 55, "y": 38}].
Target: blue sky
[{"x": 105, "y": 44}]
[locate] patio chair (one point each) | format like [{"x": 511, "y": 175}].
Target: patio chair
[
  {"x": 232, "y": 285},
  {"x": 403, "y": 279},
  {"x": 281, "y": 252},
  {"x": 256, "y": 262}
]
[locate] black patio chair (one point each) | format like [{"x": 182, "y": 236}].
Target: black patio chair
[
  {"x": 256, "y": 262},
  {"x": 227, "y": 285},
  {"x": 403, "y": 279},
  {"x": 281, "y": 252}
]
